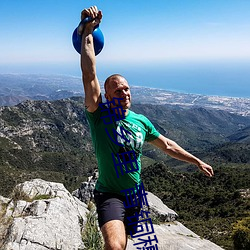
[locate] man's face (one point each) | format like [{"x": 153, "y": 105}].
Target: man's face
[{"x": 118, "y": 87}]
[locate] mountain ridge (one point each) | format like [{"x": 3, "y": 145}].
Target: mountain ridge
[{"x": 54, "y": 135}]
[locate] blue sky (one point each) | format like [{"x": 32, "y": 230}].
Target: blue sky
[{"x": 35, "y": 35}]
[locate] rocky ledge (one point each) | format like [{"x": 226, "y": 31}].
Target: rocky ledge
[{"x": 43, "y": 215}]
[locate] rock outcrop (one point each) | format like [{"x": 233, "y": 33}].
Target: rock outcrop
[
  {"x": 85, "y": 192},
  {"x": 175, "y": 236},
  {"x": 43, "y": 215}
]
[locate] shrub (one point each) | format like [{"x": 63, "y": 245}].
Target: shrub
[
  {"x": 241, "y": 234},
  {"x": 91, "y": 235}
]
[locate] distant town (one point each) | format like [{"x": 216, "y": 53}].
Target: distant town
[
  {"x": 16, "y": 88},
  {"x": 158, "y": 96}
]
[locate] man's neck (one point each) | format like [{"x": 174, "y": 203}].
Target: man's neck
[{"x": 122, "y": 112}]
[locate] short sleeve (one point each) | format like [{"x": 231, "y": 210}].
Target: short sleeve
[
  {"x": 152, "y": 133},
  {"x": 93, "y": 117}
]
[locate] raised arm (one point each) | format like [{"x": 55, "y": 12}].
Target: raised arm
[
  {"x": 88, "y": 62},
  {"x": 174, "y": 150}
]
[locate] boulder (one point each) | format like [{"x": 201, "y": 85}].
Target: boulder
[
  {"x": 158, "y": 209},
  {"x": 43, "y": 215},
  {"x": 85, "y": 192},
  {"x": 175, "y": 236}
]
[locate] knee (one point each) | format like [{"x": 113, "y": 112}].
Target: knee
[{"x": 115, "y": 245}]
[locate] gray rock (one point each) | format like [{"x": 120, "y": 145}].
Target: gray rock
[
  {"x": 171, "y": 235},
  {"x": 159, "y": 209},
  {"x": 44, "y": 215},
  {"x": 175, "y": 236},
  {"x": 85, "y": 192},
  {"x": 47, "y": 216}
]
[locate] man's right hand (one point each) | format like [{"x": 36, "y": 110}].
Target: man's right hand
[{"x": 92, "y": 12}]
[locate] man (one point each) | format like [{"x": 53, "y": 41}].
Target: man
[{"x": 131, "y": 132}]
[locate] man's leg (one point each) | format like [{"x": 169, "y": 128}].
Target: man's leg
[
  {"x": 114, "y": 235},
  {"x": 111, "y": 212}
]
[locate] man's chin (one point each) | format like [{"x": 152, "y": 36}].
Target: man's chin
[{"x": 127, "y": 106}]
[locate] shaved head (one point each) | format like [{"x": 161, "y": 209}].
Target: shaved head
[
  {"x": 117, "y": 88},
  {"x": 112, "y": 77}
]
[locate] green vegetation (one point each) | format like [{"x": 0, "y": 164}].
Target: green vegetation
[
  {"x": 91, "y": 235},
  {"x": 20, "y": 195},
  {"x": 208, "y": 206},
  {"x": 45, "y": 140},
  {"x": 5, "y": 222},
  {"x": 241, "y": 234}
]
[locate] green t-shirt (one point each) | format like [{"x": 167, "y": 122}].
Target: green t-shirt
[{"x": 131, "y": 132}]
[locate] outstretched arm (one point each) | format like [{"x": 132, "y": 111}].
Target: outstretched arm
[
  {"x": 174, "y": 150},
  {"x": 88, "y": 63}
]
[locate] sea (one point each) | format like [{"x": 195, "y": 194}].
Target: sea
[{"x": 230, "y": 79}]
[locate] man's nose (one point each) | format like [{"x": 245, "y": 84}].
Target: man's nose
[{"x": 123, "y": 93}]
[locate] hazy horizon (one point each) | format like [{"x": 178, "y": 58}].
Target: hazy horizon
[
  {"x": 189, "y": 46},
  {"x": 222, "y": 79}
]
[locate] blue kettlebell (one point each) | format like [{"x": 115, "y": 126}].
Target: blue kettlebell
[{"x": 98, "y": 37}]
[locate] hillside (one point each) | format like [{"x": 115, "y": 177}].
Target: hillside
[
  {"x": 241, "y": 136},
  {"x": 51, "y": 140},
  {"x": 45, "y": 139}
]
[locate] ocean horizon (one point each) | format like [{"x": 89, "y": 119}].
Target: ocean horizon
[
  {"x": 213, "y": 79},
  {"x": 206, "y": 79}
]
